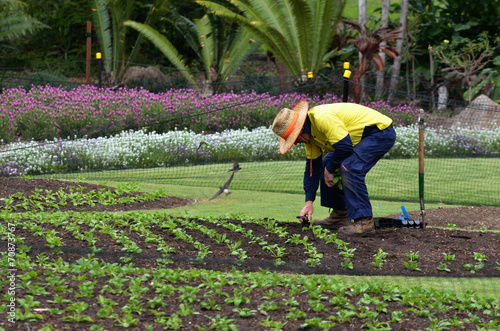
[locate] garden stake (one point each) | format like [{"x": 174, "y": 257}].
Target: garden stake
[
  {"x": 421, "y": 165},
  {"x": 347, "y": 74}
]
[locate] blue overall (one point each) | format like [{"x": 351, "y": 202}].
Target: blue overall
[{"x": 353, "y": 169}]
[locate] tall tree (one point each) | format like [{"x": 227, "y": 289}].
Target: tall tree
[
  {"x": 297, "y": 32},
  {"x": 386, "y": 4},
  {"x": 362, "y": 22},
  {"x": 396, "y": 68},
  {"x": 368, "y": 42}
]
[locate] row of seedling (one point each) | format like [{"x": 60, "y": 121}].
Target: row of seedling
[
  {"x": 42, "y": 200},
  {"x": 123, "y": 294},
  {"x": 118, "y": 228}
]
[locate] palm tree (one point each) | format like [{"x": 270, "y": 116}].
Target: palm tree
[
  {"x": 109, "y": 16},
  {"x": 370, "y": 43},
  {"x": 14, "y": 22},
  {"x": 297, "y": 32},
  {"x": 221, "y": 49}
]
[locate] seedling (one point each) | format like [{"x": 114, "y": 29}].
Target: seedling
[
  {"x": 479, "y": 257},
  {"x": 473, "y": 267},
  {"x": 449, "y": 257},
  {"x": 317, "y": 323},
  {"x": 210, "y": 305},
  {"x": 274, "y": 325},
  {"x": 379, "y": 258},
  {"x": 443, "y": 267},
  {"x": 105, "y": 312},
  {"x": 59, "y": 299},
  {"x": 292, "y": 302},
  {"x": 316, "y": 306},
  {"x": 188, "y": 293},
  {"x": 412, "y": 263},
  {"x": 245, "y": 312},
  {"x": 186, "y": 310},
  {"x": 27, "y": 303},
  {"x": 294, "y": 314},
  {"x": 222, "y": 323},
  {"x": 77, "y": 317},
  {"x": 127, "y": 321},
  {"x": 238, "y": 299},
  {"x": 268, "y": 306},
  {"x": 348, "y": 253},
  {"x": 271, "y": 294}
]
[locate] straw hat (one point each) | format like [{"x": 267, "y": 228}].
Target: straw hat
[{"x": 288, "y": 124}]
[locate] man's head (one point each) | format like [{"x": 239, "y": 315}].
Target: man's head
[{"x": 288, "y": 125}]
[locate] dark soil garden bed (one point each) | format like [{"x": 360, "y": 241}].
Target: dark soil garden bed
[{"x": 449, "y": 232}]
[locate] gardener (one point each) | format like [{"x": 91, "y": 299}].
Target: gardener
[{"x": 354, "y": 138}]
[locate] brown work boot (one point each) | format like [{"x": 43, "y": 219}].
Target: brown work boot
[
  {"x": 337, "y": 218},
  {"x": 363, "y": 226}
]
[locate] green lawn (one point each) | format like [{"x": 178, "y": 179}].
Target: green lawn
[
  {"x": 351, "y": 9},
  {"x": 261, "y": 187},
  {"x": 198, "y": 183}
]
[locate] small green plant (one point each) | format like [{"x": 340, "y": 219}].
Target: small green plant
[
  {"x": 412, "y": 263},
  {"x": 277, "y": 252},
  {"x": 273, "y": 325},
  {"x": 379, "y": 258},
  {"x": 77, "y": 317},
  {"x": 294, "y": 314},
  {"x": 268, "y": 306},
  {"x": 238, "y": 299},
  {"x": 245, "y": 312},
  {"x": 222, "y": 323},
  {"x": 479, "y": 257},
  {"x": 443, "y": 267},
  {"x": 473, "y": 268},
  {"x": 337, "y": 180},
  {"x": 186, "y": 310},
  {"x": 449, "y": 257},
  {"x": 210, "y": 305},
  {"x": 347, "y": 254}
]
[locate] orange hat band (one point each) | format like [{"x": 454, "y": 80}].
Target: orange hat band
[{"x": 292, "y": 125}]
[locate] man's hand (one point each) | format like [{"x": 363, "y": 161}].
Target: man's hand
[
  {"x": 307, "y": 210},
  {"x": 329, "y": 178}
]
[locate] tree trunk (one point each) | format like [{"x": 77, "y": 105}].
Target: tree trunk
[
  {"x": 396, "y": 68},
  {"x": 386, "y": 4},
  {"x": 362, "y": 21}
]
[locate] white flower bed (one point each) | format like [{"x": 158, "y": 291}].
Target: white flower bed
[{"x": 136, "y": 149}]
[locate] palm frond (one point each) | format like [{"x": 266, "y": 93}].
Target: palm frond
[
  {"x": 300, "y": 15},
  {"x": 186, "y": 28},
  {"x": 267, "y": 11},
  {"x": 14, "y": 22},
  {"x": 157, "y": 10},
  {"x": 206, "y": 42},
  {"x": 327, "y": 14},
  {"x": 242, "y": 47},
  {"x": 164, "y": 45},
  {"x": 276, "y": 42},
  {"x": 103, "y": 25},
  {"x": 15, "y": 26}
]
